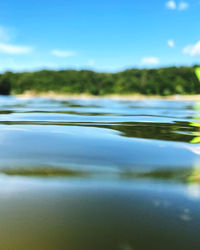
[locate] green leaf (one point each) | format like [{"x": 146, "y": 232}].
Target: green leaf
[{"x": 197, "y": 72}]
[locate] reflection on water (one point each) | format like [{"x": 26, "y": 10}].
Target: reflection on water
[{"x": 99, "y": 174}]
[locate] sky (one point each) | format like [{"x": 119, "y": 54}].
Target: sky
[{"x": 106, "y": 36}]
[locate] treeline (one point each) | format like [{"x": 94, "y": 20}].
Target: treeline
[{"x": 163, "y": 81}]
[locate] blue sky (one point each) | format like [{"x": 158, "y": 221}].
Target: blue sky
[{"x": 101, "y": 35}]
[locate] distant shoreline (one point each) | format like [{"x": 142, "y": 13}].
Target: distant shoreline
[
  {"x": 151, "y": 83},
  {"x": 53, "y": 95}
]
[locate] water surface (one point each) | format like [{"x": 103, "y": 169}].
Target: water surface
[{"x": 99, "y": 174}]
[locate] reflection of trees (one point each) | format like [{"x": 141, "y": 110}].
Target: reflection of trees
[
  {"x": 173, "y": 174},
  {"x": 196, "y": 133},
  {"x": 195, "y": 175},
  {"x": 178, "y": 131}
]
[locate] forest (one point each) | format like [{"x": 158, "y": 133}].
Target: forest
[{"x": 162, "y": 81}]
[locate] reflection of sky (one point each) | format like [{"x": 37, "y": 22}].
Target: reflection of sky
[
  {"x": 72, "y": 145},
  {"x": 194, "y": 190},
  {"x": 70, "y": 132}
]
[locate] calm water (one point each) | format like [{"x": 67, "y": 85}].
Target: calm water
[{"x": 99, "y": 174}]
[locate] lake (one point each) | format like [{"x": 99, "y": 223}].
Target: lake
[{"x": 99, "y": 174}]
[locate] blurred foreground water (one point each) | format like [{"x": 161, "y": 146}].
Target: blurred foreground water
[{"x": 99, "y": 174}]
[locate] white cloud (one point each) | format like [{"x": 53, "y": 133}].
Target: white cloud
[
  {"x": 150, "y": 60},
  {"x": 183, "y": 6},
  {"x": 171, "y": 5},
  {"x": 193, "y": 49},
  {"x": 14, "y": 49},
  {"x": 63, "y": 53},
  {"x": 7, "y": 48},
  {"x": 171, "y": 43}
]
